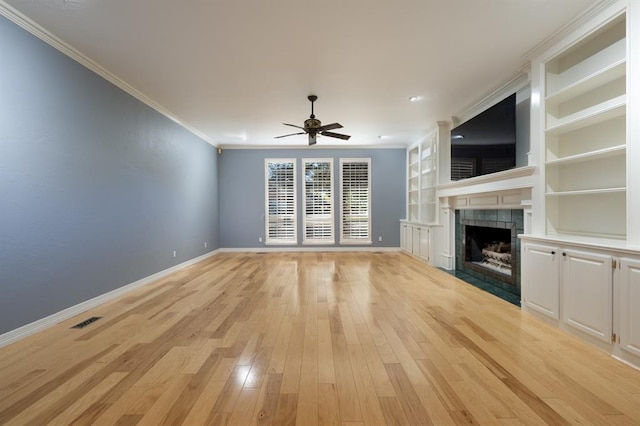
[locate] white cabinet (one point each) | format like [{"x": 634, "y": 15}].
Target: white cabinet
[
  {"x": 415, "y": 248},
  {"x": 590, "y": 291},
  {"x": 415, "y": 239},
  {"x": 406, "y": 242},
  {"x": 587, "y": 292},
  {"x": 424, "y": 243},
  {"x": 541, "y": 279},
  {"x": 629, "y": 306}
]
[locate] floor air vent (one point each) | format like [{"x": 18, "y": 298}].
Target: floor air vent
[{"x": 86, "y": 322}]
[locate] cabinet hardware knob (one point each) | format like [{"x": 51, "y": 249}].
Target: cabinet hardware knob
[
  {"x": 564, "y": 254},
  {"x": 553, "y": 252}
]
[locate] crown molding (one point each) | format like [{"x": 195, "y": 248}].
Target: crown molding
[
  {"x": 517, "y": 83},
  {"x": 30, "y": 26},
  {"x": 584, "y": 17},
  {"x": 314, "y": 147}
]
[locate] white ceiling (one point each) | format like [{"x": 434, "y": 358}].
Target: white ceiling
[{"x": 235, "y": 70}]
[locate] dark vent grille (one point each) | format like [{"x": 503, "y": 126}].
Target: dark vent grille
[{"x": 86, "y": 322}]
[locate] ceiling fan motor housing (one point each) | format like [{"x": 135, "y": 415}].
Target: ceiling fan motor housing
[{"x": 312, "y": 123}]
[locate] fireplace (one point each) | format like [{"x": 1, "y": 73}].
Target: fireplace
[{"x": 488, "y": 250}]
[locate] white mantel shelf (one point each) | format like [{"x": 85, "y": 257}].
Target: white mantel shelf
[{"x": 518, "y": 178}]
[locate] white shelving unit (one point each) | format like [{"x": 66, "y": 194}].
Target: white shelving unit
[
  {"x": 585, "y": 147},
  {"x": 419, "y": 231},
  {"x": 413, "y": 183},
  {"x": 422, "y": 179},
  {"x": 581, "y": 261},
  {"x": 428, "y": 179}
]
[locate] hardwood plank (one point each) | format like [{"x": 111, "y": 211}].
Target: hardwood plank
[
  {"x": 307, "y": 410},
  {"x": 286, "y": 410},
  {"x": 346, "y": 387},
  {"x": 328, "y": 407},
  {"x": 393, "y": 412},
  {"x": 409, "y": 400},
  {"x": 266, "y": 408},
  {"x": 369, "y": 403},
  {"x": 243, "y": 410},
  {"x": 326, "y": 369}
]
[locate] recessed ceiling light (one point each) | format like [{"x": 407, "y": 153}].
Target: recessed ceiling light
[{"x": 414, "y": 98}]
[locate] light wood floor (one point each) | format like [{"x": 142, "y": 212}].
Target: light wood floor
[{"x": 312, "y": 338}]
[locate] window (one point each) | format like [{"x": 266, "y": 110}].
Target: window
[
  {"x": 318, "y": 201},
  {"x": 280, "y": 188},
  {"x": 355, "y": 200}
]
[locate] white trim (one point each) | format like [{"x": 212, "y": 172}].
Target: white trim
[
  {"x": 53, "y": 319},
  {"x": 30, "y": 26},
  {"x": 591, "y": 12},
  {"x": 315, "y": 147},
  {"x": 516, "y": 84},
  {"x": 308, "y": 249}
]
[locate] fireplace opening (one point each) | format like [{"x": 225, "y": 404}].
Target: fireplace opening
[{"x": 489, "y": 248}]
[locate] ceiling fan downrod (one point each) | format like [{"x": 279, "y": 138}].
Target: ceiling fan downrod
[{"x": 312, "y": 98}]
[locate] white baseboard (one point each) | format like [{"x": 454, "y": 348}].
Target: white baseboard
[
  {"x": 277, "y": 249},
  {"x": 41, "y": 324}
]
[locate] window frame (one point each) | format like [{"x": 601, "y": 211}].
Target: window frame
[
  {"x": 294, "y": 216},
  {"x": 348, "y": 239},
  {"x": 332, "y": 216}
]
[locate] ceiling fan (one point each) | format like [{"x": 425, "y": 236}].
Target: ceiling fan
[{"x": 313, "y": 127}]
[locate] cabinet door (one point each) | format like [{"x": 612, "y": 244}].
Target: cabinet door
[
  {"x": 541, "y": 278},
  {"x": 587, "y": 293},
  {"x": 415, "y": 248},
  {"x": 403, "y": 238},
  {"x": 630, "y": 306},
  {"x": 424, "y": 243},
  {"x": 408, "y": 238}
]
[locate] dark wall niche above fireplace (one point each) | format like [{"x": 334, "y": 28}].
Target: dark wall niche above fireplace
[{"x": 488, "y": 250}]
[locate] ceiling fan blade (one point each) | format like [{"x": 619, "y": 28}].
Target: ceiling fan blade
[
  {"x": 290, "y": 134},
  {"x": 329, "y": 127},
  {"x": 312, "y": 139},
  {"x": 335, "y": 135},
  {"x": 293, "y": 125}
]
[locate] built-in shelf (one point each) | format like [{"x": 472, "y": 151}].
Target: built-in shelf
[
  {"x": 597, "y": 70},
  {"x": 587, "y": 191},
  {"x": 607, "y": 110},
  {"x": 589, "y": 156}
]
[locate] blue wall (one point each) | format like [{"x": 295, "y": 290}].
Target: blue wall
[
  {"x": 242, "y": 192},
  {"x": 96, "y": 188}
]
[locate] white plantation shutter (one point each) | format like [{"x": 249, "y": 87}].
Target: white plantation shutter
[
  {"x": 355, "y": 200},
  {"x": 318, "y": 201},
  {"x": 280, "y": 187}
]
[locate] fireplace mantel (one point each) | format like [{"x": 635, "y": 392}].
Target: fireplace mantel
[
  {"x": 510, "y": 189},
  {"x": 518, "y": 178}
]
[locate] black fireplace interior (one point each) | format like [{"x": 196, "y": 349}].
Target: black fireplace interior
[{"x": 489, "y": 248}]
